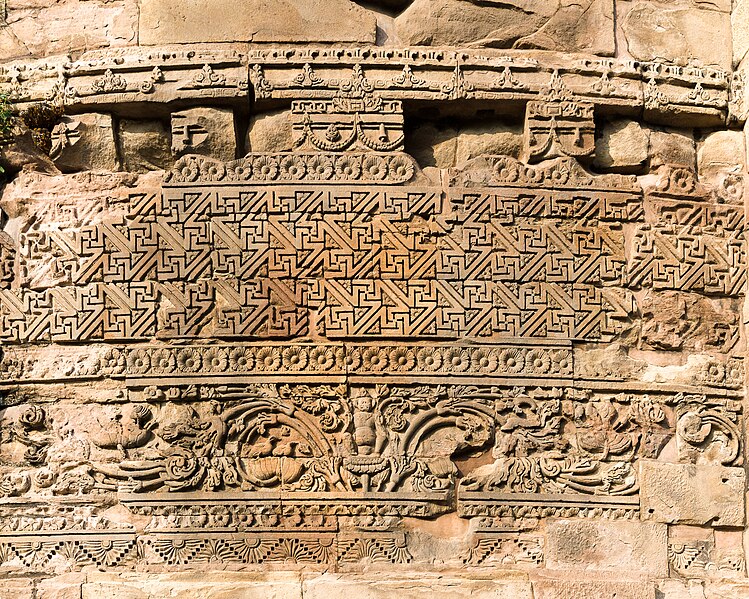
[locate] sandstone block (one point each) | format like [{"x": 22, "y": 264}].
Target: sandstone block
[
  {"x": 680, "y": 34},
  {"x": 48, "y": 28},
  {"x": 144, "y": 146},
  {"x": 691, "y": 494},
  {"x": 23, "y": 154},
  {"x": 672, "y": 147},
  {"x": 740, "y": 28},
  {"x": 165, "y": 22},
  {"x": 17, "y": 588},
  {"x": 587, "y": 26},
  {"x": 427, "y": 586},
  {"x": 84, "y": 142},
  {"x": 67, "y": 586},
  {"x": 485, "y": 139},
  {"x": 607, "y": 545},
  {"x": 721, "y": 151},
  {"x": 681, "y": 589},
  {"x": 453, "y": 147},
  {"x": 194, "y": 585},
  {"x": 271, "y": 132},
  {"x": 674, "y": 320},
  {"x": 726, "y": 590},
  {"x": 592, "y": 589},
  {"x": 623, "y": 147},
  {"x": 205, "y": 131},
  {"x": 433, "y": 146}
]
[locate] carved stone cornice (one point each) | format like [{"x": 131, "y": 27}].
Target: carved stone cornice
[{"x": 661, "y": 92}]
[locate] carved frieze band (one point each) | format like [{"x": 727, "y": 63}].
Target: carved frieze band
[
  {"x": 441, "y": 74},
  {"x": 233, "y": 360},
  {"x": 497, "y": 256},
  {"x": 359, "y": 449},
  {"x": 155, "y": 75},
  {"x": 321, "y": 548}
]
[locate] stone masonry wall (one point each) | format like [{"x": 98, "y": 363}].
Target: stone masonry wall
[{"x": 318, "y": 298}]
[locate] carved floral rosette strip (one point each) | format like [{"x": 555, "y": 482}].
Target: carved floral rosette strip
[
  {"x": 296, "y": 167},
  {"x": 41, "y": 552},
  {"x": 19, "y": 365}
]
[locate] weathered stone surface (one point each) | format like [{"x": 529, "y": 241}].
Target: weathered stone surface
[
  {"x": 582, "y": 545},
  {"x": 680, "y": 34},
  {"x": 23, "y": 154},
  {"x": 163, "y": 22},
  {"x": 612, "y": 361},
  {"x": 144, "y": 146},
  {"x": 447, "y": 147},
  {"x": 586, "y": 27},
  {"x": 67, "y": 586},
  {"x": 692, "y": 494},
  {"x": 681, "y": 589},
  {"x": 672, "y": 147},
  {"x": 677, "y": 321},
  {"x": 204, "y": 131},
  {"x": 501, "y": 586},
  {"x": 363, "y": 318},
  {"x": 740, "y": 30},
  {"x": 722, "y": 151},
  {"x": 727, "y": 590},
  {"x": 623, "y": 147},
  {"x": 224, "y": 585},
  {"x": 271, "y": 132},
  {"x": 36, "y": 29},
  {"x": 593, "y": 589},
  {"x": 17, "y": 588},
  {"x": 84, "y": 142}
]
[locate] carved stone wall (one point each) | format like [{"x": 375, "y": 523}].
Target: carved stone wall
[{"x": 433, "y": 297}]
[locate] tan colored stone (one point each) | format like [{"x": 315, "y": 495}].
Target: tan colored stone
[
  {"x": 610, "y": 361},
  {"x": 433, "y": 146},
  {"x": 692, "y": 494},
  {"x": 84, "y": 142},
  {"x": 24, "y": 154},
  {"x": 519, "y": 337},
  {"x": 453, "y": 147},
  {"x": 205, "y": 131},
  {"x": 726, "y": 590},
  {"x": 112, "y": 590},
  {"x": 682, "y": 35},
  {"x": 721, "y": 151},
  {"x": 165, "y": 22},
  {"x": 672, "y": 147},
  {"x": 674, "y": 320},
  {"x": 449, "y": 22},
  {"x": 194, "y": 585},
  {"x": 553, "y": 588},
  {"x": 271, "y": 132},
  {"x": 607, "y": 545},
  {"x": 740, "y": 29},
  {"x": 17, "y": 588},
  {"x": 144, "y": 146},
  {"x": 488, "y": 138},
  {"x": 622, "y": 147},
  {"x": 681, "y": 589},
  {"x": 47, "y": 28},
  {"x": 576, "y": 27},
  {"x": 498, "y": 585},
  {"x": 550, "y": 24},
  {"x": 67, "y": 586}
]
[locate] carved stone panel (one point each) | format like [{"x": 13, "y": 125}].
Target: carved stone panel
[{"x": 336, "y": 357}]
